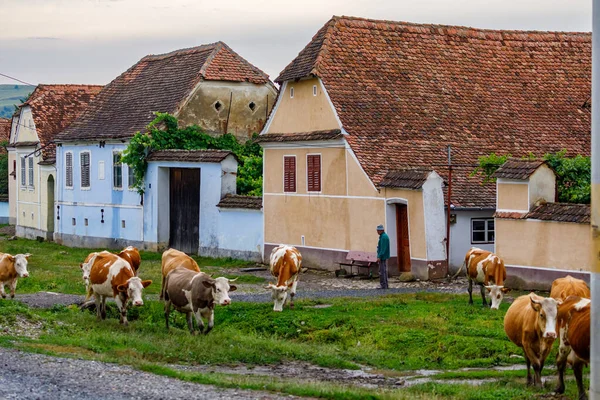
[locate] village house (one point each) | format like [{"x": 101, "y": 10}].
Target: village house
[
  {"x": 32, "y": 154},
  {"x": 539, "y": 239},
  {"x": 365, "y": 113},
  {"x": 97, "y": 204}
]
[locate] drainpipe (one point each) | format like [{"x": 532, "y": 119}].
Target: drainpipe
[{"x": 595, "y": 209}]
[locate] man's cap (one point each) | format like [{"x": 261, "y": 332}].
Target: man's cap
[{"x": 380, "y": 228}]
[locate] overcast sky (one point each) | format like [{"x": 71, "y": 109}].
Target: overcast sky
[{"x": 93, "y": 41}]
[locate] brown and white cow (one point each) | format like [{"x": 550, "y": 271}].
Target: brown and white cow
[
  {"x": 196, "y": 293},
  {"x": 530, "y": 323},
  {"x": 11, "y": 268},
  {"x": 171, "y": 259},
  {"x": 573, "y": 324},
  {"x": 487, "y": 270},
  {"x": 132, "y": 256},
  {"x": 569, "y": 286},
  {"x": 112, "y": 276},
  {"x": 285, "y": 263}
]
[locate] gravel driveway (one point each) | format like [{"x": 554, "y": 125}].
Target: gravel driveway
[{"x": 36, "y": 376}]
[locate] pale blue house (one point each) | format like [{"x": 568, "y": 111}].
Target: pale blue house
[{"x": 96, "y": 204}]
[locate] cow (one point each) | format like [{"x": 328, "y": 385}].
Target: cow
[
  {"x": 132, "y": 256},
  {"x": 569, "y": 286},
  {"x": 196, "y": 293},
  {"x": 530, "y": 323},
  {"x": 11, "y": 268},
  {"x": 172, "y": 259},
  {"x": 484, "y": 267},
  {"x": 285, "y": 263},
  {"x": 574, "y": 327},
  {"x": 112, "y": 276}
]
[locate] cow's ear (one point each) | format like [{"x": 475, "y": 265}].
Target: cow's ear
[
  {"x": 535, "y": 305},
  {"x": 232, "y": 288},
  {"x": 270, "y": 286},
  {"x": 81, "y": 265},
  {"x": 146, "y": 283},
  {"x": 11, "y": 257},
  {"x": 208, "y": 284},
  {"x": 505, "y": 290},
  {"x": 122, "y": 287},
  {"x": 489, "y": 288},
  {"x": 27, "y": 255}
]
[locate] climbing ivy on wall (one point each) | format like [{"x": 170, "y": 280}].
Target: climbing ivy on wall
[
  {"x": 165, "y": 133},
  {"x": 573, "y": 174}
]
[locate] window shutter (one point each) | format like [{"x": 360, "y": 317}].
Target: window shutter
[
  {"x": 31, "y": 171},
  {"x": 289, "y": 174},
  {"x": 69, "y": 169},
  {"x": 85, "y": 169},
  {"x": 117, "y": 171},
  {"x": 23, "y": 171},
  {"x": 313, "y": 177}
]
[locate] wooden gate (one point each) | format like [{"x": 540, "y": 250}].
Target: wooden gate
[
  {"x": 403, "y": 239},
  {"x": 184, "y": 200}
]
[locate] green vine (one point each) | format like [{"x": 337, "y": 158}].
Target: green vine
[{"x": 165, "y": 133}]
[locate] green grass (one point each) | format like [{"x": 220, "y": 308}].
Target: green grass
[{"x": 55, "y": 268}]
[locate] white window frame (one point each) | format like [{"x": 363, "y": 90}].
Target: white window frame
[
  {"x": 23, "y": 170},
  {"x": 486, "y": 230},
  {"x": 295, "y": 173},
  {"x": 89, "y": 187},
  {"x": 320, "y": 172},
  {"x": 30, "y": 172},
  {"x": 68, "y": 174},
  {"x": 114, "y": 153},
  {"x": 130, "y": 177}
]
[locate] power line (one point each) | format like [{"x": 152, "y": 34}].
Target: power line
[{"x": 18, "y": 80}]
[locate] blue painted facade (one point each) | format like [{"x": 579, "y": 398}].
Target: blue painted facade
[{"x": 4, "y": 212}]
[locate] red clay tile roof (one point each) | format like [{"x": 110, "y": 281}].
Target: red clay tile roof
[
  {"x": 515, "y": 168},
  {"x": 237, "y": 201},
  {"x": 300, "y": 137},
  {"x": 409, "y": 179},
  {"x": 55, "y": 107},
  {"x": 215, "y": 156},
  {"x": 559, "y": 212},
  {"x": 403, "y": 92},
  {"x": 158, "y": 83},
  {"x": 4, "y": 132}
]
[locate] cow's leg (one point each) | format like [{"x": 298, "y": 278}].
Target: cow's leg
[
  {"x": 482, "y": 289},
  {"x": 97, "y": 299},
  {"x": 578, "y": 372},
  {"x": 198, "y": 315},
  {"x": 293, "y": 293},
  {"x": 561, "y": 364},
  {"x": 470, "y": 291},
  {"x": 167, "y": 312},
  {"x": 121, "y": 305},
  {"x": 529, "y": 381},
  {"x": 2, "y": 292},
  {"x": 209, "y": 314},
  {"x": 190, "y": 322},
  {"x": 162, "y": 289},
  {"x": 12, "y": 285},
  {"x": 103, "y": 306}
]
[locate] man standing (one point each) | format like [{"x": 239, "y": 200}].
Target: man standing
[{"x": 383, "y": 254}]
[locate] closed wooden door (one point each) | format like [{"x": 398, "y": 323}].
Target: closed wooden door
[
  {"x": 185, "y": 209},
  {"x": 402, "y": 237}
]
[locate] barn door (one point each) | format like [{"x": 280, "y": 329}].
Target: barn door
[
  {"x": 403, "y": 239},
  {"x": 184, "y": 200}
]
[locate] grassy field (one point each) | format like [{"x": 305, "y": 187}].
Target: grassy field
[{"x": 393, "y": 334}]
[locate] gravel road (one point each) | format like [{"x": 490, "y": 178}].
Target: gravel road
[{"x": 36, "y": 376}]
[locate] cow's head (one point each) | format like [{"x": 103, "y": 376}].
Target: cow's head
[
  {"x": 20, "y": 263},
  {"x": 220, "y": 289},
  {"x": 547, "y": 309},
  {"x": 496, "y": 295},
  {"x": 279, "y": 295},
  {"x": 133, "y": 288}
]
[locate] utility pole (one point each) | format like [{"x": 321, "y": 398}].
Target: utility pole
[
  {"x": 595, "y": 209},
  {"x": 448, "y": 208}
]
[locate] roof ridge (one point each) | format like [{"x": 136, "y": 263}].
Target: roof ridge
[
  {"x": 224, "y": 45},
  {"x": 432, "y": 25},
  {"x": 187, "y": 50}
]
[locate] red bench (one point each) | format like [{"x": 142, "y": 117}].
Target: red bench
[{"x": 358, "y": 259}]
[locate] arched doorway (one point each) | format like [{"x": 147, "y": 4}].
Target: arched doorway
[{"x": 50, "y": 206}]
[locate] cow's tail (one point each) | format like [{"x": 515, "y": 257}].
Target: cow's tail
[{"x": 459, "y": 270}]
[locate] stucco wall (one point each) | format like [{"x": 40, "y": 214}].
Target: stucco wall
[
  {"x": 243, "y": 121},
  {"x": 4, "y": 212},
  {"x": 241, "y": 233},
  {"x": 460, "y": 236},
  {"x": 304, "y": 112},
  {"x": 513, "y": 195},
  {"x": 435, "y": 223},
  {"x": 12, "y": 188},
  {"x": 28, "y": 198},
  {"x": 542, "y": 185},
  {"x": 555, "y": 245}
]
